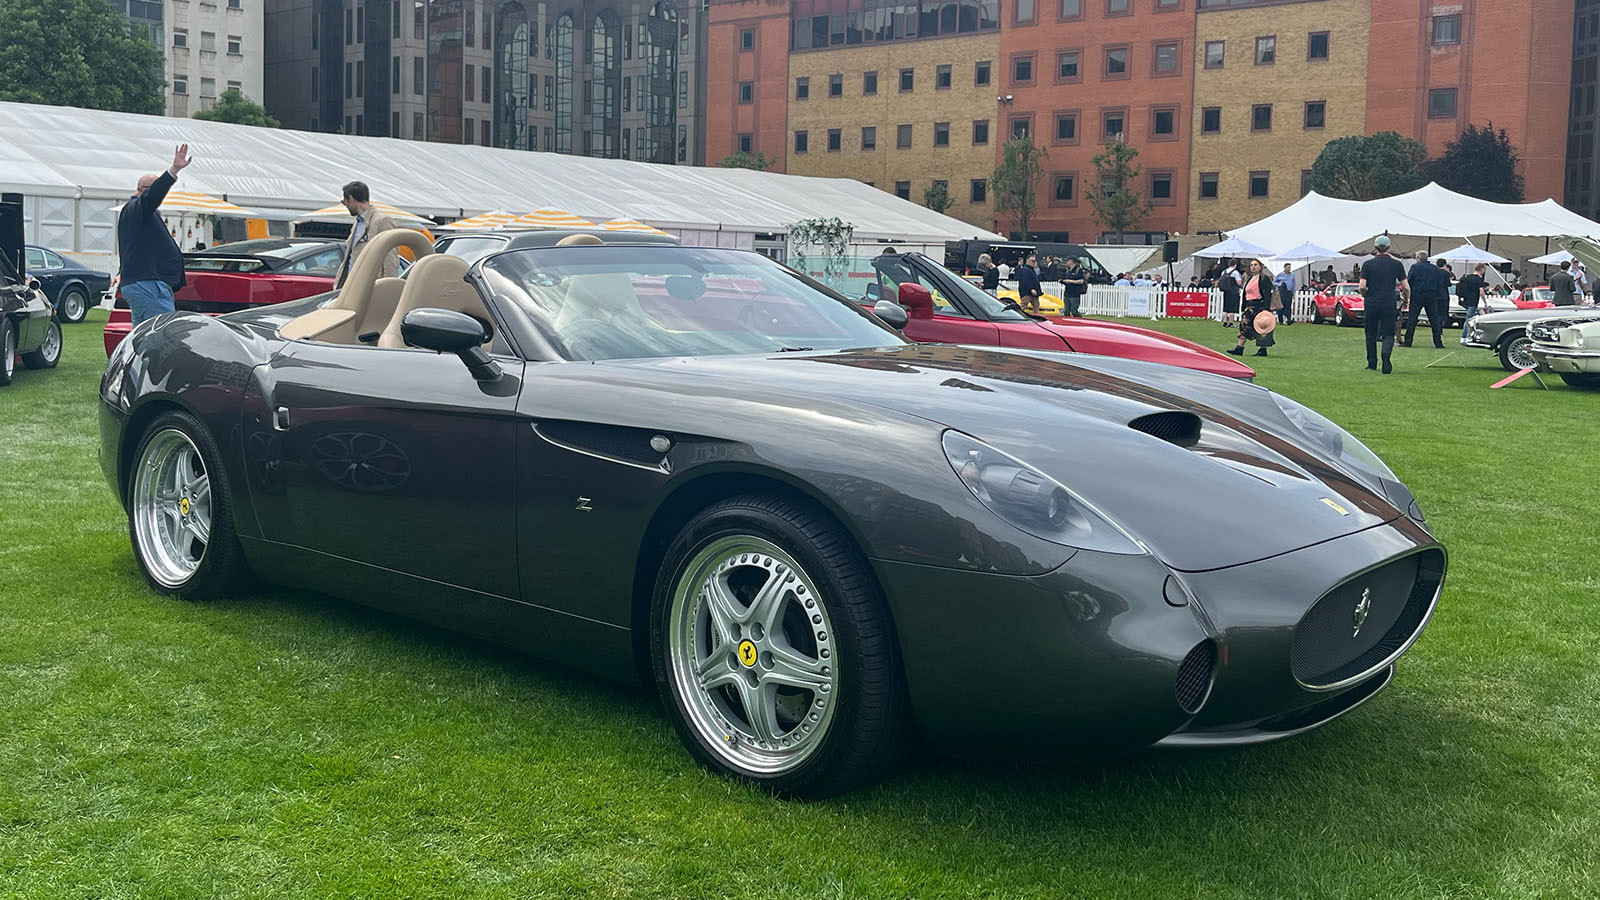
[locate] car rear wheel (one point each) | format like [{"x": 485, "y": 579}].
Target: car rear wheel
[
  {"x": 1340, "y": 318},
  {"x": 180, "y": 512},
  {"x": 1587, "y": 380},
  {"x": 1316, "y": 315},
  {"x": 774, "y": 652},
  {"x": 1515, "y": 352},
  {"x": 8, "y": 351},
  {"x": 73, "y": 306},
  {"x": 49, "y": 352}
]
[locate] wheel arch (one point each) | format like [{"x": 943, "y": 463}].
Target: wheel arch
[{"x": 147, "y": 410}]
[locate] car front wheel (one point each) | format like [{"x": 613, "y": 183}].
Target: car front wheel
[
  {"x": 774, "y": 651},
  {"x": 1515, "y": 352},
  {"x": 1316, "y": 315},
  {"x": 74, "y": 305},
  {"x": 1339, "y": 316},
  {"x": 49, "y": 352},
  {"x": 180, "y": 511}
]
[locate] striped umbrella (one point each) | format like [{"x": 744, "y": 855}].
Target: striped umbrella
[
  {"x": 632, "y": 225},
  {"x": 549, "y": 218},
  {"x": 498, "y": 218},
  {"x": 337, "y": 213},
  {"x": 185, "y": 202}
]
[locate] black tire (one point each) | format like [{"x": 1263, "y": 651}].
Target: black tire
[
  {"x": 871, "y": 728},
  {"x": 1316, "y": 315},
  {"x": 1340, "y": 317},
  {"x": 8, "y": 351},
  {"x": 49, "y": 352},
  {"x": 222, "y": 569},
  {"x": 1512, "y": 344},
  {"x": 1586, "y": 380},
  {"x": 73, "y": 305}
]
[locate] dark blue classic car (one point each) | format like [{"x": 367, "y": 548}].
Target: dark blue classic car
[{"x": 70, "y": 286}]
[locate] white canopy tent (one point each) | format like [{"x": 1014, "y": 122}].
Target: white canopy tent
[{"x": 73, "y": 165}]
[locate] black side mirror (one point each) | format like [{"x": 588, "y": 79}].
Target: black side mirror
[
  {"x": 448, "y": 331},
  {"x": 892, "y": 313}
]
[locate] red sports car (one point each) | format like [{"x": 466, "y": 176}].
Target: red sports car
[
  {"x": 1542, "y": 297},
  {"x": 1341, "y": 304}
]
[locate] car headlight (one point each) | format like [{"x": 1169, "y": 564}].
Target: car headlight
[{"x": 1032, "y": 501}]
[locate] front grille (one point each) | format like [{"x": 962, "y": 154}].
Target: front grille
[
  {"x": 1173, "y": 426},
  {"x": 1366, "y": 621},
  {"x": 1194, "y": 677},
  {"x": 1539, "y": 331}
]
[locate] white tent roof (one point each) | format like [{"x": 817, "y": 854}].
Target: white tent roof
[
  {"x": 1430, "y": 211},
  {"x": 62, "y": 151},
  {"x": 1121, "y": 258}
]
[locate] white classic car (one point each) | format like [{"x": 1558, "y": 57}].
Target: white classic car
[{"x": 1568, "y": 346}]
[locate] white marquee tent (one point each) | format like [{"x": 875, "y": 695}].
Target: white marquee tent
[
  {"x": 1511, "y": 229},
  {"x": 74, "y": 165}
]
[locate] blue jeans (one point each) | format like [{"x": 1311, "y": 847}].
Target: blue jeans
[
  {"x": 1467, "y": 317},
  {"x": 147, "y": 299}
]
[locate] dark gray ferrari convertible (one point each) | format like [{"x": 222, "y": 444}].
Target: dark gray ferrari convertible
[{"x": 702, "y": 469}]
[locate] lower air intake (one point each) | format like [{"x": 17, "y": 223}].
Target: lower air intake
[{"x": 1194, "y": 677}]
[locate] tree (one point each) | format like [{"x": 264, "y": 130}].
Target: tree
[
  {"x": 744, "y": 159},
  {"x": 1369, "y": 168},
  {"x": 78, "y": 53},
  {"x": 1118, "y": 203},
  {"x": 937, "y": 196},
  {"x": 233, "y": 106},
  {"x": 1014, "y": 180},
  {"x": 1482, "y": 163}
]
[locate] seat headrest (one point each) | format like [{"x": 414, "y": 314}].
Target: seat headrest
[{"x": 579, "y": 240}]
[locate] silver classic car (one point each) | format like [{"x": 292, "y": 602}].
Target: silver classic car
[
  {"x": 1570, "y": 347},
  {"x": 1506, "y": 333}
]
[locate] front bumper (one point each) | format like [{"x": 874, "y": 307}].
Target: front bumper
[
  {"x": 1085, "y": 660},
  {"x": 1561, "y": 359}
]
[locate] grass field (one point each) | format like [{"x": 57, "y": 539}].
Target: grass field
[{"x": 288, "y": 745}]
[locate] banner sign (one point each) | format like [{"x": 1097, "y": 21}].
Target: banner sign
[
  {"x": 1189, "y": 304},
  {"x": 1139, "y": 303}
]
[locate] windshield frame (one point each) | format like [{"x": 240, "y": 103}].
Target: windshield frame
[{"x": 536, "y": 340}]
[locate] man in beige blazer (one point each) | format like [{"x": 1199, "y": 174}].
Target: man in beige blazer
[{"x": 369, "y": 223}]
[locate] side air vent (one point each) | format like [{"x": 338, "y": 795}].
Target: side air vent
[
  {"x": 1194, "y": 677},
  {"x": 632, "y": 445},
  {"x": 1174, "y": 427}
]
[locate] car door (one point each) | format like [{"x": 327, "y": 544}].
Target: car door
[
  {"x": 951, "y": 324},
  {"x": 395, "y": 458}
]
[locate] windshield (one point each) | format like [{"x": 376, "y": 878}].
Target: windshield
[
  {"x": 868, "y": 279},
  {"x": 632, "y": 302},
  {"x": 1345, "y": 290},
  {"x": 1542, "y": 293}
]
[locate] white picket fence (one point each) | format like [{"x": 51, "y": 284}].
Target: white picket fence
[{"x": 1107, "y": 300}]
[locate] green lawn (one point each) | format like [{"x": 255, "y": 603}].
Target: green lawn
[{"x": 289, "y": 745}]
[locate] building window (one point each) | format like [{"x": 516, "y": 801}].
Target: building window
[
  {"x": 902, "y": 137},
  {"x": 1168, "y": 5},
  {"x": 180, "y": 84},
  {"x": 1070, "y": 10},
  {"x": 315, "y": 80},
  {"x": 1161, "y": 187},
  {"x": 1113, "y": 124},
  {"x": 1261, "y": 117},
  {"x": 361, "y": 79},
  {"x": 208, "y": 87},
  {"x": 1024, "y": 12},
  {"x": 869, "y": 137},
  {"x": 747, "y": 39},
  {"x": 235, "y": 86},
  {"x": 1067, "y": 62},
  {"x": 1208, "y": 185},
  {"x": 835, "y": 85},
  {"x": 802, "y": 141},
  {"x": 484, "y": 135},
  {"x": 802, "y": 89},
  {"x": 1447, "y": 29},
  {"x": 468, "y": 131},
  {"x": 1442, "y": 103},
  {"x": 980, "y": 73},
  {"x": 1266, "y": 50},
  {"x": 747, "y": 92},
  {"x": 941, "y": 134},
  {"x": 1317, "y": 45},
  {"x": 869, "y": 82},
  {"x": 908, "y": 79},
  {"x": 1214, "y": 52},
  {"x": 1305, "y": 182},
  {"x": 1211, "y": 120},
  {"x": 417, "y": 77},
  {"x": 180, "y": 37},
  {"x": 1021, "y": 126},
  {"x": 416, "y": 126},
  {"x": 1022, "y": 69},
  {"x": 394, "y": 82},
  {"x": 235, "y": 4},
  {"x": 1066, "y": 128},
  {"x": 349, "y": 78},
  {"x": 1064, "y": 189},
  {"x": 902, "y": 189},
  {"x": 941, "y": 78},
  {"x": 471, "y": 82},
  {"x": 1163, "y": 123},
  {"x": 980, "y": 132},
  {"x": 683, "y": 90},
  {"x": 235, "y": 45},
  {"x": 1118, "y": 7},
  {"x": 1166, "y": 59},
  {"x": 1116, "y": 62},
  {"x": 1259, "y": 182},
  {"x": 980, "y": 191},
  {"x": 208, "y": 42},
  {"x": 486, "y": 95},
  {"x": 1316, "y": 113},
  {"x": 835, "y": 140},
  {"x": 746, "y": 141}
]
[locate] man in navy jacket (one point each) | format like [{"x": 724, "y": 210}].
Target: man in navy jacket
[
  {"x": 151, "y": 263},
  {"x": 1028, "y": 284},
  {"x": 1430, "y": 291}
]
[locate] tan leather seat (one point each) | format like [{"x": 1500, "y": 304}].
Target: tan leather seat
[
  {"x": 605, "y": 297},
  {"x": 345, "y": 319},
  {"x": 435, "y": 282}
]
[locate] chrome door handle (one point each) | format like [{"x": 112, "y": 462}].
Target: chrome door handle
[{"x": 280, "y": 419}]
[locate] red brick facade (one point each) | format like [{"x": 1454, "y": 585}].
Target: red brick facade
[{"x": 748, "y": 43}]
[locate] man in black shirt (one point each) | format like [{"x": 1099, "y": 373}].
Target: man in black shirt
[
  {"x": 1381, "y": 278},
  {"x": 1074, "y": 282},
  {"x": 1469, "y": 290},
  {"x": 150, "y": 263},
  {"x": 1028, "y": 284},
  {"x": 1430, "y": 293}
]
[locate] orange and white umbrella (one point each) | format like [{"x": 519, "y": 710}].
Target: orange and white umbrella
[
  {"x": 498, "y": 218},
  {"x": 186, "y": 202},
  {"x": 632, "y": 225},
  {"x": 337, "y": 213},
  {"x": 550, "y": 218}
]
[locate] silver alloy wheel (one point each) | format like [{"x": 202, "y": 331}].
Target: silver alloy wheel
[
  {"x": 50, "y": 350},
  {"x": 171, "y": 507},
  {"x": 1338, "y": 314},
  {"x": 1518, "y": 352},
  {"x": 73, "y": 305},
  {"x": 752, "y": 655}
]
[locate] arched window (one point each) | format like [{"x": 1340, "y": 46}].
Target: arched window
[
  {"x": 658, "y": 142},
  {"x": 511, "y": 67},
  {"x": 564, "y": 73},
  {"x": 444, "y": 70},
  {"x": 605, "y": 84}
]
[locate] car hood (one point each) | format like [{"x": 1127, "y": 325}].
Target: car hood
[
  {"x": 1118, "y": 339},
  {"x": 1251, "y": 487},
  {"x": 1528, "y": 315}
]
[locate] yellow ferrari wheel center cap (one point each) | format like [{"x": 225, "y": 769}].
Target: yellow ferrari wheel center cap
[
  {"x": 183, "y": 505},
  {"x": 747, "y": 654}
]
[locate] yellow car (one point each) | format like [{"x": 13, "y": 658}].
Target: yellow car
[{"x": 1049, "y": 304}]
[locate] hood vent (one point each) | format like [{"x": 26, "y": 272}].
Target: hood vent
[{"x": 1181, "y": 428}]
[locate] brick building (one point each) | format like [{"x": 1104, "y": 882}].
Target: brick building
[{"x": 747, "y": 42}]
